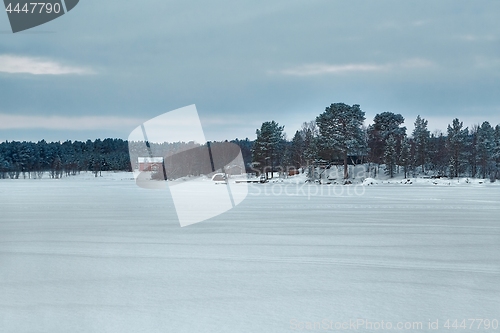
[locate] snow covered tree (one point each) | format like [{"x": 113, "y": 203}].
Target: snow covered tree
[
  {"x": 472, "y": 151},
  {"x": 24, "y": 158},
  {"x": 286, "y": 160},
  {"x": 438, "y": 153},
  {"x": 268, "y": 147},
  {"x": 452, "y": 167},
  {"x": 485, "y": 148},
  {"x": 456, "y": 143},
  {"x": 340, "y": 128},
  {"x": 309, "y": 131},
  {"x": 496, "y": 152},
  {"x": 384, "y": 125},
  {"x": 4, "y": 163},
  {"x": 390, "y": 156},
  {"x": 56, "y": 170},
  {"x": 421, "y": 138},
  {"x": 404, "y": 156},
  {"x": 297, "y": 150}
]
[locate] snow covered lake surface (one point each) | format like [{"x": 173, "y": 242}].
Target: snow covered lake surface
[{"x": 85, "y": 254}]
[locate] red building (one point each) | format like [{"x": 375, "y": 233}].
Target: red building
[{"x": 150, "y": 163}]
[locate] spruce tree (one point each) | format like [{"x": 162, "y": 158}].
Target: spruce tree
[
  {"x": 404, "y": 156},
  {"x": 384, "y": 125},
  {"x": 309, "y": 133},
  {"x": 496, "y": 151},
  {"x": 421, "y": 138},
  {"x": 390, "y": 156},
  {"x": 456, "y": 144},
  {"x": 297, "y": 150},
  {"x": 340, "y": 128},
  {"x": 485, "y": 148},
  {"x": 268, "y": 147}
]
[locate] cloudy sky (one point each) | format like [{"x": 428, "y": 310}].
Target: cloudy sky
[{"x": 107, "y": 66}]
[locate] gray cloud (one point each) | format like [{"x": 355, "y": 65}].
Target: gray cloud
[
  {"x": 79, "y": 123},
  {"x": 321, "y": 69},
  {"x": 285, "y": 61},
  {"x": 36, "y": 66}
]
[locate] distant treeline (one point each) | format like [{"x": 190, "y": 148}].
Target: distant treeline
[
  {"x": 33, "y": 160},
  {"x": 56, "y": 159},
  {"x": 336, "y": 136}
]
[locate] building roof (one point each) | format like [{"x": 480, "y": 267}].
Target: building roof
[{"x": 150, "y": 159}]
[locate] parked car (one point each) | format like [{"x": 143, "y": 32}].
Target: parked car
[{"x": 219, "y": 177}]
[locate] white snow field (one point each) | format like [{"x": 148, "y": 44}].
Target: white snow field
[{"x": 85, "y": 254}]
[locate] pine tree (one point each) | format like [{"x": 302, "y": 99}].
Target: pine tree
[
  {"x": 309, "y": 132},
  {"x": 311, "y": 151},
  {"x": 268, "y": 147},
  {"x": 340, "y": 128},
  {"x": 472, "y": 151},
  {"x": 297, "y": 150},
  {"x": 4, "y": 164},
  {"x": 390, "y": 156},
  {"x": 438, "y": 153},
  {"x": 496, "y": 152},
  {"x": 404, "y": 156},
  {"x": 384, "y": 125},
  {"x": 452, "y": 167},
  {"x": 421, "y": 138},
  {"x": 485, "y": 148},
  {"x": 456, "y": 144}
]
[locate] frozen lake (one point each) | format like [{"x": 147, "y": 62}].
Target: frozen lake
[{"x": 103, "y": 255}]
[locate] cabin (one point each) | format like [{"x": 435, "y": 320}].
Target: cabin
[{"x": 150, "y": 163}]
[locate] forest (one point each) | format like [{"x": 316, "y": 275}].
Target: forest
[{"x": 337, "y": 136}]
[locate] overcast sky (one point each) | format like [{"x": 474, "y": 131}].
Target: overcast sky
[{"x": 107, "y": 66}]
